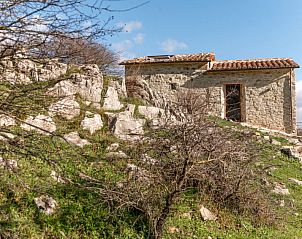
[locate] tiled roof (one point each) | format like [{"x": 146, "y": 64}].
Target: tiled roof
[
  {"x": 270, "y": 63},
  {"x": 201, "y": 57}
]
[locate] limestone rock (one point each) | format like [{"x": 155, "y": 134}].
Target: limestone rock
[
  {"x": 67, "y": 108},
  {"x": 63, "y": 89},
  {"x": 113, "y": 147},
  {"x": 119, "y": 86},
  {"x": 130, "y": 108},
  {"x": 88, "y": 84},
  {"x": 92, "y": 124},
  {"x": 46, "y": 204},
  {"x": 296, "y": 181},
  {"x": 206, "y": 214},
  {"x": 154, "y": 114},
  {"x": 41, "y": 123},
  {"x": 126, "y": 127},
  {"x": 151, "y": 112},
  {"x": 292, "y": 152},
  {"x": 87, "y": 81},
  {"x": 24, "y": 71},
  {"x": 18, "y": 71},
  {"x": 4, "y": 136},
  {"x": 266, "y": 137},
  {"x": 173, "y": 230},
  {"x": 280, "y": 189},
  {"x": 10, "y": 164},
  {"x": 111, "y": 101},
  {"x": 116, "y": 155},
  {"x": 6, "y": 121},
  {"x": 57, "y": 177},
  {"x": 149, "y": 160},
  {"x": 50, "y": 70},
  {"x": 142, "y": 90},
  {"x": 293, "y": 141},
  {"x": 75, "y": 139}
]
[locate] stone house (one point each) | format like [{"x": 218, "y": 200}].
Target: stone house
[{"x": 260, "y": 92}]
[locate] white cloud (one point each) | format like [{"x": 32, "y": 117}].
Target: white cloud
[
  {"x": 130, "y": 26},
  {"x": 122, "y": 46},
  {"x": 171, "y": 45},
  {"x": 139, "y": 38},
  {"x": 127, "y": 56},
  {"x": 299, "y": 100},
  {"x": 125, "y": 45}
]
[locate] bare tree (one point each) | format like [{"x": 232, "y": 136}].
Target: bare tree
[
  {"x": 80, "y": 51},
  {"x": 31, "y": 24},
  {"x": 176, "y": 157}
]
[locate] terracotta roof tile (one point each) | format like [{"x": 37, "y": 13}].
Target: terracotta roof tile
[
  {"x": 200, "y": 57},
  {"x": 270, "y": 63}
]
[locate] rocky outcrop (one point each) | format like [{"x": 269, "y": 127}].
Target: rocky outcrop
[
  {"x": 296, "y": 181},
  {"x": 124, "y": 126},
  {"x": 154, "y": 114},
  {"x": 113, "y": 147},
  {"x": 280, "y": 188},
  {"x": 41, "y": 123},
  {"x": 111, "y": 101},
  {"x": 139, "y": 88},
  {"x": 9, "y": 164},
  {"x": 294, "y": 152},
  {"x": 4, "y": 136},
  {"x": 83, "y": 82},
  {"x": 6, "y": 121},
  {"x": 67, "y": 108},
  {"x": 120, "y": 86},
  {"x": 206, "y": 214},
  {"x": 116, "y": 155},
  {"x": 151, "y": 112},
  {"x": 24, "y": 71},
  {"x": 88, "y": 84},
  {"x": 92, "y": 122},
  {"x": 46, "y": 204},
  {"x": 57, "y": 177},
  {"x": 65, "y": 88},
  {"x": 75, "y": 139}
]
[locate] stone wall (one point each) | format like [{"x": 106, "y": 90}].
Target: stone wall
[{"x": 268, "y": 96}]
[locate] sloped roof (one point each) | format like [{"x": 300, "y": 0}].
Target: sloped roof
[
  {"x": 269, "y": 63},
  {"x": 200, "y": 57},
  {"x": 219, "y": 65}
]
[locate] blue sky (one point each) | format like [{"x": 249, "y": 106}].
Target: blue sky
[{"x": 233, "y": 29}]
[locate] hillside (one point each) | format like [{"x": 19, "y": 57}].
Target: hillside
[
  {"x": 81, "y": 214},
  {"x": 75, "y": 136}
]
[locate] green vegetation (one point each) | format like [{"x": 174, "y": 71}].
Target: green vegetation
[
  {"x": 288, "y": 221},
  {"x": 83, "y": 214}
]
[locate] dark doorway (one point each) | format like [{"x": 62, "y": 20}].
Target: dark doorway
[{"x": 233, "y": 102}]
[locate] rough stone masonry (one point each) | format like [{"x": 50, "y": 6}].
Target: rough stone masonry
[{"x": 263, "y": 90}]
